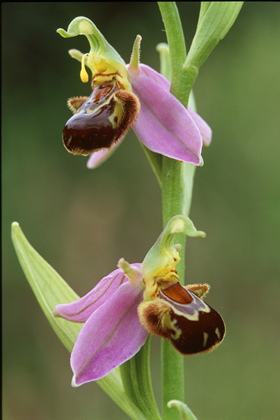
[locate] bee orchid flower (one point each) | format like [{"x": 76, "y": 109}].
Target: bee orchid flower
[
  {"x": 138, "y": 299},
  {"x": 123, "y": 97}
]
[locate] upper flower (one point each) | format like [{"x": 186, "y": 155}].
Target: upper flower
[
  {"x": 127, "y": 96},
  {"x": 138, "y": 299}
]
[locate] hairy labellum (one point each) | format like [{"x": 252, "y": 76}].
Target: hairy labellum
[
  {"x": 180, "y": 315},
  {"x": 100, "y": 120}
]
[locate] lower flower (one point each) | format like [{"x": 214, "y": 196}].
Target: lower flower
[{"x": 138, "y": 299}]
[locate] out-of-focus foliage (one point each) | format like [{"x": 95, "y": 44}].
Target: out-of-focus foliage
[{"x": 83, "y": 221}]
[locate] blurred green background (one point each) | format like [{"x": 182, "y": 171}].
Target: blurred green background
[{"x": 83, "y": 221}]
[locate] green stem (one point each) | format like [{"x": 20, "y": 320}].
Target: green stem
[
  {"x": 177, "y": 47},
  {"x": 176, "y": 198},
  {"x": 177, "y": 182}
]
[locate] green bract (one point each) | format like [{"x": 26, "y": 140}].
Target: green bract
[
  {"x": 215, "y": 20},
  {"x": 184, "y": 411}
]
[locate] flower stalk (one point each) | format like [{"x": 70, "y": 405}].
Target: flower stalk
[
  {"x": 177, "y": 183},
  {"x": 215, "y": 20}
]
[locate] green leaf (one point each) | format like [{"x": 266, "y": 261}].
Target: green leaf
[
  {"x": 50, "y": 289},
  {"x": 215, "y": 20},
  {"x": 164, "y": 56},
  {"x": 184, "y": 411},
  {"x": 136, "y": 377}
]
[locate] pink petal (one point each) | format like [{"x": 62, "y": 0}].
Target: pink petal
[
  {"x": 150, "y": 73},
  {"x": 164, "y": 125},
  {"x": 205, "y": 130},
  {"x": 97, "y": 158},
  {"x": 202, "y": 126},
  {"x": 111, "y": 336},
  {"x": 81, "y": 309}
]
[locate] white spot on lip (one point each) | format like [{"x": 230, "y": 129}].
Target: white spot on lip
[
  {"x": 205, "y": 338},
  {"x": 68, "y": 141},
  {"x": 217, "y": 332}
]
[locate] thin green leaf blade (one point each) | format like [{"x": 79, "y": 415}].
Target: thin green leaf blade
[
  {"x": 214, "y": 23},
  {"x": 184, "y": 411},
  {"x": 49, "y": 288}
]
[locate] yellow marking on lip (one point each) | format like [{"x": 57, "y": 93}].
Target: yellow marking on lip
[{"x": 205, "y": 338}]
